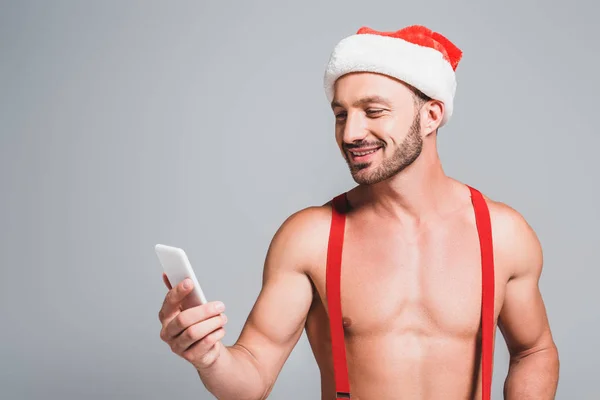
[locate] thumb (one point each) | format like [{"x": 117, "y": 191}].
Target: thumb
[{"x": 166, "y": 281}]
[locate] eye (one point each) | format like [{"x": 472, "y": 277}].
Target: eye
[
  {"x": 373, "y": 112},
  {"x": 340, "y": 116}
]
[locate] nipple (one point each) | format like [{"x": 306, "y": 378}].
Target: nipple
[{"x": 346, "y": 322}]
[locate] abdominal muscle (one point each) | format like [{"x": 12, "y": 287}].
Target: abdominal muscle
[{"x": 406, "y": 363}]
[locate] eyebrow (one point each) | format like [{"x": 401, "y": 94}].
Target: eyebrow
[{"x": 363, "y": 101}]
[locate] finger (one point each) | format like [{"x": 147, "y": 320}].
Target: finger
[
  {"x": 203, "y": 353},
  {"x": 192, "y": 316},
  {"x": 173, "y": 299},
  {"x": 166, "y": 281},
  {"x": 197, "y": 332}
]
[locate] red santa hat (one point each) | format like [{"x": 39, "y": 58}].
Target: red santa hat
[{"x": 416, "y": 55}]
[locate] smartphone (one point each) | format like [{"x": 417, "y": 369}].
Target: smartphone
[{"x": 177, "y": 267}]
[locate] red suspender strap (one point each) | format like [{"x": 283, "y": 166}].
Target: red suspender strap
[
  {"x": 334, "y": 303},
  {"x": 484, "y": 228}
]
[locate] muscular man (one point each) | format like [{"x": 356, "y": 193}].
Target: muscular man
[{"x": 400, "y": 282}]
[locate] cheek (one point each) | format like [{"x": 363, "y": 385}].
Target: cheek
[
  {"x": 385, "y": 129},
  {"x": 391, "y": 130},
  {"x": 339, "y": 140},
  {"x": 338, "y": 137},
  {"x": 339, "y": 130}
]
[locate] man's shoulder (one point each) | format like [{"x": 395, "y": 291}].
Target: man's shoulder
[
  {"x": 506, "y": 220},
  {"x": 503, "y": 213},
  {"x": 516, "y": 244},
  {"x": 307, "y": 221},
  {"x": 303, "y": 235}
]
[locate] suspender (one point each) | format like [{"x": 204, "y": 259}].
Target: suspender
[
  {"x": 333, "y": 284},
  {"x": 334, "y": 304},
  {"x": 484, "y": 228}
]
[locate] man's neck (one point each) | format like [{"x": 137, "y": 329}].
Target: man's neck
[{"x": 416, "y": 194}]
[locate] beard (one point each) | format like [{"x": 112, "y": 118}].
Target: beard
[{"x": 404, "y": 155}]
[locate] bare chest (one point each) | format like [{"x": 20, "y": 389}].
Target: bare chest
[{"x": 427, "y": 282}]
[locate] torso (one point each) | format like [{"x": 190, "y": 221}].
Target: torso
[{"x": 411, "y": 304}]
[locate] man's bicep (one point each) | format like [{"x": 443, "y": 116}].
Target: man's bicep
[
  {"x": 523, "y": 320},
  {"x": 277, "y": 319}
]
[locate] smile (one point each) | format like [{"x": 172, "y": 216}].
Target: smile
[{"x": 363, "y": 154}]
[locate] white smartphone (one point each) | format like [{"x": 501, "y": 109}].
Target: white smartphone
[{"x": 177, "y": 267}]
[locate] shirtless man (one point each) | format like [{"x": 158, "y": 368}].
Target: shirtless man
[{"x": 410, "y": 242}]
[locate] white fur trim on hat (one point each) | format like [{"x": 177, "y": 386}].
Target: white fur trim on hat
[{"x": 423, "y": 67}]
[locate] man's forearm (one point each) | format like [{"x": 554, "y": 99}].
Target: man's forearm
[
  {"x": 235, "y": 375},
  {"x": 533, "y": 376}
]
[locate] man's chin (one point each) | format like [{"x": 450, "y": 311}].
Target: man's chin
[{"x": 364, "y": 176}]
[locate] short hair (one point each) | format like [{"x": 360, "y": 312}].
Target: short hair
[{"x": 419, "y": 97}]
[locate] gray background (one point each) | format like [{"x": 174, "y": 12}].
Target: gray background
[{"x": 204, "y": 125}]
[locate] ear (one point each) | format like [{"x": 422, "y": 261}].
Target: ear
[{"x": 433, "y": 112}]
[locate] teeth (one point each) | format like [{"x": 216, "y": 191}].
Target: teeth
[{"x": 364, "y": 153}]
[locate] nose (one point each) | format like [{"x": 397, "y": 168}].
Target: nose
[{"x": 354, "y": 129}]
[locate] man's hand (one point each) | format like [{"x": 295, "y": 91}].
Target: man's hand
[
  {"x": 195, "y": 333},
  {"x": 247, "y": 370}
]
